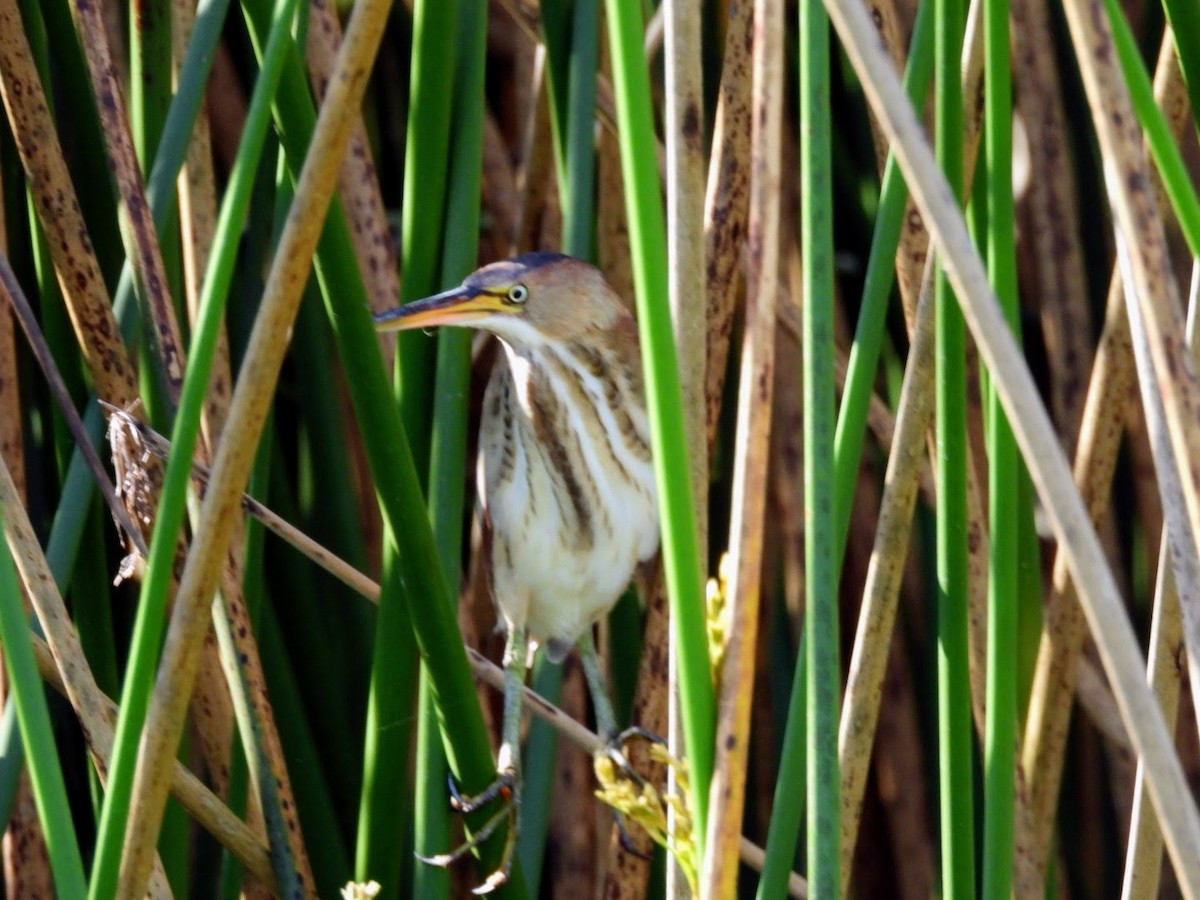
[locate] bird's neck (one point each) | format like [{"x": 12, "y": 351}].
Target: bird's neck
[
  {"x": 538, "y": 368},
  {"x": 563, "y": 388}
]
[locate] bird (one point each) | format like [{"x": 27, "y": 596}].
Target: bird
[{"x": 565, "y": 478}]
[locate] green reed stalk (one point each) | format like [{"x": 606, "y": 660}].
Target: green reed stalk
[
  {"x": 434, "y": 55},
  {"x": 1004, "y": 475},
  {"x": 150, "y": 98},
  {"x": 664, "y": 397},
  {"x": 33, "y": 715},
  {"x": 1163, "y": 149},
  {"x": 877, "y": 288},
  {"x": 820, "y": 416},
  {"x": 380, "y": 830},
  {"x": 333, "y": 681},
  {"x": 954, "y": 686},
  {"x": 448, "y": 457}
]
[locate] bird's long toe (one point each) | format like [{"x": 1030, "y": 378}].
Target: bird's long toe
[
  {"x": 636, "y": 731},
  {"x": 506, "y": 788}
]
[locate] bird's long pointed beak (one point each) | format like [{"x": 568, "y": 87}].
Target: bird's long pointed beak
[{"x": 457, "y": 306}]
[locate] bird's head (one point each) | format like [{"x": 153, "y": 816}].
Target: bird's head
[{"x": 527, "y": 300}]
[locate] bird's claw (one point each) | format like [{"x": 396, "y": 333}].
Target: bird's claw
[
  {"x": 627, "y": 842},
  {"x": 634, "y": 798},
  {"x": 614, "y": 749},
  {"x": 507, "y": 788}
]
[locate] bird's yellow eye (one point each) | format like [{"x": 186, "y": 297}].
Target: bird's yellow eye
[{"x": 518, "y": 293}]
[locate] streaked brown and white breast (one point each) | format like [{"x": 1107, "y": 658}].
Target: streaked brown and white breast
[{"x": 566, "y": 480}]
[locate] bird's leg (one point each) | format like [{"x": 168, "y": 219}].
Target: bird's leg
[
  {"x": 606, "y": 727},
  {"x": 516, "y": 660},
  {"x": 606, "y": 719},
  {"x": 507, "y": 785},
  {"x": 508, "y": 759}
]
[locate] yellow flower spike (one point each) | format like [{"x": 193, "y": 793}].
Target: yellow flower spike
[
  {"x": 604, "y": 768},
  {"x": 718, "y": 615},
  {"x": 642, "y": 803},
  {"x": 360, "y": 891}
]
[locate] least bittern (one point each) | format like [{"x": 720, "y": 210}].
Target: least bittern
[{"x": 566, "y": 484}]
